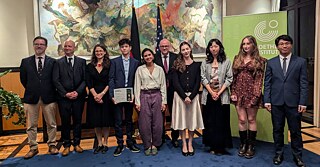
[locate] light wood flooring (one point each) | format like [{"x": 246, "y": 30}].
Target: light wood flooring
[{"x": 16, "y": 145}]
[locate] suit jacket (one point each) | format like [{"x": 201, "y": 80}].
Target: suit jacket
[
  {"x": 291, "y": 89},
  {"x": 36, "y": 85},
  {"x": 169, "y": 75},
  {"x": 117, "y": 76},
  {"x": 68, "y": 79}
]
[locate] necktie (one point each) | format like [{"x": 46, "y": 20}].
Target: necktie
[
  {"x": 70, "y": 61},
  {"x": 165, "y": 64},
  {"x": 40, "y": 65},
  {"x": 284, "y": 66}
]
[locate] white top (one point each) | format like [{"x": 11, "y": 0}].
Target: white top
[{"x": 146, "y": 81}]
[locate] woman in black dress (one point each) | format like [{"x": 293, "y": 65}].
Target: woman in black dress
[{"x": 99, "y": 113}]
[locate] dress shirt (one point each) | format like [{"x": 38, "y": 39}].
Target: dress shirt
[
  {"x": 146, "y": 81},
  {"x": 126, "y": 63}
]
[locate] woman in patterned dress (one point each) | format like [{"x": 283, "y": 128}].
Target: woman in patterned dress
[{"x": 248, "y": 71}]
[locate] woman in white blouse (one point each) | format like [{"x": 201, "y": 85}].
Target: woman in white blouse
[{"x": 150, "y": 101}]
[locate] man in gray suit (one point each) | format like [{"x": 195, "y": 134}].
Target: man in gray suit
[
  {"x": 69, "y": 79},
  {"x": 285, "y": 96},
  {"x": 36, "y": 78}
]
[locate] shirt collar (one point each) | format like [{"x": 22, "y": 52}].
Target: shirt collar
[
  {"x": 124, "y": 59},
  {"x": 288, "y": 57},
  {"x": 162, "y": 56}
]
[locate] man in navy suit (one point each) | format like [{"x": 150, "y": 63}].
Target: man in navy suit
[
  {"x": 285, "y": 96},
  {"x": 121, "y": 75},
  {"x": 165, "y": 59},
  {"x": 69, "y": 79},
  {"x": 36, "y": 78}
]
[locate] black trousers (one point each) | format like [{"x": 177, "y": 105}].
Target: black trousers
[
  {"x": 67, "y": 109},
  {"x": 127, "y": 109},
  {"x": 279, "y": 114}
]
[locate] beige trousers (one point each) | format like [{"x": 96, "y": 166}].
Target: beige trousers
[{"x": 49, "y": 113}]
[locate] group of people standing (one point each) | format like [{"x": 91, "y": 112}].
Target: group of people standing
[{"x": 167, "y": 81}]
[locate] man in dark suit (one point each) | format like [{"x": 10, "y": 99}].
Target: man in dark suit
[
  {"x": 36, "y": 78},
  {"x": 285, "y": 96},
  {"x": 121, "y": 75},
  {"x": 69, "y": 79},
  {"x": 165, "y": 59}
]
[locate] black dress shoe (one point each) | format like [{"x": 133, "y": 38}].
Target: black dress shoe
[
  {"x": 191, "y": 153},
  {"x": 185, "y": 153},
  {"x": 118, "y": 150},
  {"x": 277, "y": 159},
  {"x": 133, "y": 148},
  {"x": 175, "y": 143},
  {"x": 299, "y": 162}
]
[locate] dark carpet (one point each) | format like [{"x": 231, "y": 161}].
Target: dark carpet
[{"x": 168, "y": 156}]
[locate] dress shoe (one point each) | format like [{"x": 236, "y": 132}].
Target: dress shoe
[
  {"x": 277, "y": 159},
  {"x": 175, "y": 143},
  {"x": 53, "y": 150},
  {"x": 133, "y": 148},
  {"x": 185, "y": 153},
  {"x": 118, "y": 150},
  {"x": 66, "y": 151},
  {"x": 105, "y": 149},
  {"x": 299, "y": 162},
  {"x": 31, "y": 153},
  {"x": 191, "y": 153},
  {"x": 78, "y": 149},
  {"x": 98, "y": 149}
]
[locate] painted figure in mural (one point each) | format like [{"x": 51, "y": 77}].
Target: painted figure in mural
[
  {"x": 36, "y": 77},
  {"x": 186, "y": 111},
  {"x": 151, "y": 99},
  {"x": 165, "y": 60},
  {"x": 246, "y": 92},
  {"x": 122, "y": 73},
  {"x": 285, "y": 96},
  {"x": 99, "y": 106},
  {"x": 69, "y": 80},
  {"x": 216, "y": 77}
]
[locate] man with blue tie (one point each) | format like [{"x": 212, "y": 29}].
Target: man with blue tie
[
  {"x": 285, "y": 96},
  {"x": 121, "y": 75}
]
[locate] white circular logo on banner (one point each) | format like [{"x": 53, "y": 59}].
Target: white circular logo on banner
[{"x": 261, "y": 35}]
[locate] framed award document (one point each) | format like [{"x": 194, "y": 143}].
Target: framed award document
[{"x": 123, "y": 95}]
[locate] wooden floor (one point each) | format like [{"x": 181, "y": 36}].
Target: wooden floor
[{"x": 16, "y": 145}]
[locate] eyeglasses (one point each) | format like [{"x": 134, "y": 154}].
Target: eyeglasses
[
  {"x": 164, "y": 46},
  {"x": 39, "y": 44},
  {"x": 284, "y": 43}
]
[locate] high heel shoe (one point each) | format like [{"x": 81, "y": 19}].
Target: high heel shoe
[
  {"x": 191, "y": 153},
  {"x": 184, "y": 153}
]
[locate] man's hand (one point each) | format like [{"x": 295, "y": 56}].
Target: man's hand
[
  {"x": 268, "y": 107},
  {"x": 302, "y": 109}
]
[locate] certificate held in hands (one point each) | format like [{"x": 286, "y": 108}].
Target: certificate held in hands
[{"x": 123, "y": 95}]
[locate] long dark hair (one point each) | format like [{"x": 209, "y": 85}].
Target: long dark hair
[
  {"x": 106, "y": 60},
  {"x": 179, "y": 63},
  {"x": 221, "y": 55}
]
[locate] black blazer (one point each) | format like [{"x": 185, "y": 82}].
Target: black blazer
[
  {"x": 68, "y": 79},
  {"x": 169, "y": 75},
  {"x": 37, "y": 86}
]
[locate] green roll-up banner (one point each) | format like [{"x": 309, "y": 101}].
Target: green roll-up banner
[{"x": 265, "y": 28}]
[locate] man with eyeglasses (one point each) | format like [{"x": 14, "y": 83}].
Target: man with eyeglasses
[
  {"x": 165, "y": 59},
  {"x": 285, "y": 96},
  {"x": 36, "y": 77}
]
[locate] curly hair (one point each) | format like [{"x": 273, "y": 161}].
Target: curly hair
[
  {"x": 106, "y": 60},
  {"x": 179, "y": 64},
  {"x": 258, "y": 62},
  {"x": 221, "y": 55}
]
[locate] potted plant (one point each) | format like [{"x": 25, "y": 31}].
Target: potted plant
[{"x": 14, "y": 104}]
